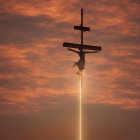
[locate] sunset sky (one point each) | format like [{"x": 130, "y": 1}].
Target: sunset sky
[{"x": 39, "y": 89}]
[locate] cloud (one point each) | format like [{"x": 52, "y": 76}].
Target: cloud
[{"x": 36, "y": 72}]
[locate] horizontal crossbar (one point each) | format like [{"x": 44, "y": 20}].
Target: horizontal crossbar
[
  {"x": 79, "y": 46},
  {"x": 81, "y": 28}
]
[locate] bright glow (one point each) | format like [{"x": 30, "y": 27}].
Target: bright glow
[{"x": 80, "y": 108}]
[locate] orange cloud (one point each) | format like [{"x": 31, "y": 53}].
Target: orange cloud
[{"x": 36, "y": 72}]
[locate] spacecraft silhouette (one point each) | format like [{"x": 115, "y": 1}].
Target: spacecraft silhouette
[{"x": 81, "y": 47}]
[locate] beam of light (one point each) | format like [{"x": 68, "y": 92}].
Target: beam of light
[{"x": 80, "y": 110}]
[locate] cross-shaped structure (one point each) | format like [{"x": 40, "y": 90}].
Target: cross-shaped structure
[{"x": 82, "y": 47}]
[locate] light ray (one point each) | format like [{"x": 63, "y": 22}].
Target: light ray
[{"x": 80, "y": 110}]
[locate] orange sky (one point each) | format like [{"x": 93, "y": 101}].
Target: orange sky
[{"x": 36, "y": 72}]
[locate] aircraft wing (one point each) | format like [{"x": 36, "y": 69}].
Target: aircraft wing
[{"x": 79, "y": 46}]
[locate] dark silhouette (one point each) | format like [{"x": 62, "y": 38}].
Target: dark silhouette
[{"x": 81, "y": 62}]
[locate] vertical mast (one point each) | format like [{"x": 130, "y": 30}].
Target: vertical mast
[{"x": 81, "y": 27}]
